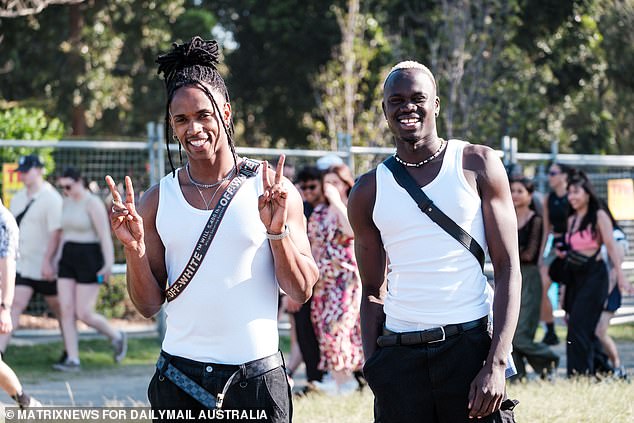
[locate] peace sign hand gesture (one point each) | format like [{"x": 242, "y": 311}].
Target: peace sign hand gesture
[
  {"x": 272, "y": 203},
  {"x": 127, "y": 224}
]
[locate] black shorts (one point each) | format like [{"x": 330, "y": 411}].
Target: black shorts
[
  {"x": 614, "y": 300},
  {"x": 81, "y": 261},
  {"x": 43, "y": 287}
]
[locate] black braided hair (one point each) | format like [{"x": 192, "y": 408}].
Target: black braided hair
[{"x": 194, "y": 64}]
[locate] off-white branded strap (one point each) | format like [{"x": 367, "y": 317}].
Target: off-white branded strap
[{"x": 247, "y": 169}]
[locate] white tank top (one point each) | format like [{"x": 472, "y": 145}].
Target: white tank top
[
  {"x": 228, "y": 312},
  {"x": 432, "y": 279}
]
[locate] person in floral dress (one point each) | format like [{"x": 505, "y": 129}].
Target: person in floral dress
[{"x": 337, "y": 294}]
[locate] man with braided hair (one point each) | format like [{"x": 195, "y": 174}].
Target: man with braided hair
[
  {"x": 221, "y": 279},
  {"x": 429, "y": 355}
]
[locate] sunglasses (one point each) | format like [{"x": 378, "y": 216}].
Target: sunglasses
[
  {"x": 66, "y": 187},
  {"x": 310, "y": 187}
]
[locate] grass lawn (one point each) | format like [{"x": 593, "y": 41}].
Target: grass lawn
[
  {"x": 558, "y": 402},
  {"x": 620, "y": 333},
  {"x": 33, "y": 362}
]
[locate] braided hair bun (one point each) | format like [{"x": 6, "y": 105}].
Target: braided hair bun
[{"x": 196, "y": 52}]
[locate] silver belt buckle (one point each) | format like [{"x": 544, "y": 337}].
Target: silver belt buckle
[{"x": 442, "y": 329}]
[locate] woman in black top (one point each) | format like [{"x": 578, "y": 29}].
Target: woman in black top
[
  {"x": 556, "y": 211},
  {"x": 541, "y": 358}
]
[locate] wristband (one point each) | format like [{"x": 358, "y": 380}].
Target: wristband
[{"x": 276, "y": 237}]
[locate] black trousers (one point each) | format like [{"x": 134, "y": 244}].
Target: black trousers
[
  {"x": 269, "y": 392},
  {"x": 585, "y": 297},
  {"x": 307, "y": 341},
  {"x": 429, "y": 382}
]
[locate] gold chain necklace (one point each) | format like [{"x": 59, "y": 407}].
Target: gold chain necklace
[{"x": 427, "y": 160}]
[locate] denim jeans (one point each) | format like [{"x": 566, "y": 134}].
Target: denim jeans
[
  {"x": 269, "y": 392},
  {"x": 429, "y": 382}
]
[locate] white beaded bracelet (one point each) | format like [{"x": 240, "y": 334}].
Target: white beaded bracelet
[{"x": 276, "y": 237}]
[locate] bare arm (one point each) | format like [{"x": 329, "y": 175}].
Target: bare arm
[
  {"x": 7, "y": 287},
  {"x": 281, "y": 205},
  {"x": 99, "y": 218},
  {"x": 136, "y": 229},
  {"x": 337, "y": 206},
  {"x": 371, "y": 260},
  {"x": 487, "y": 389},
  {"x": 605, "y": 227},
  {"x": 546, "y": 231},
  {"x": 49, "y": 265}
]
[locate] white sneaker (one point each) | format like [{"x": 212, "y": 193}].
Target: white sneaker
[
  {"x": 67, "y": 366},
  {"x": 348, "y": 387},
  {"x": 31, "y": 403},
  {"x": 120, "y": 347},
  {"x": 328, "y": 387}
]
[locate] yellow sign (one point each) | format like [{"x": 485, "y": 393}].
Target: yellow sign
[
  {"x": 11, "y": 182},
  {"x": 621, "y": 198}
]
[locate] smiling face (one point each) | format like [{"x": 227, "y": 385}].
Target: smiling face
[
  {"x": 196, "y": 123},
  {"x": 410, "y": 105},
  {"x": 578, "y": 197}
]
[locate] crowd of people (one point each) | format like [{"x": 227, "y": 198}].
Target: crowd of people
[
  {"x": 60, "y": 246},
  {"x": 383, "y": 281}
]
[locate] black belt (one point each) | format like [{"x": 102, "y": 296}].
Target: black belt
[
  {"x": 245, "y": 371},
  {"x": 428, "y": 336}
]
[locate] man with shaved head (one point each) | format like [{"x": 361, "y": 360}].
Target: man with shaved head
[{"x": 430, "y": 356}]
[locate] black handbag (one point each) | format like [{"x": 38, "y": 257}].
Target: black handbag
[
  {"x": 561, "y": 269},
  {"x": 559, "y": 272}
]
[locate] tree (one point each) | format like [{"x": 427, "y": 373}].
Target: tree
[
  {"x": 91, "y": 63},
  {"x": 279, "y": 47},
  {"x": 348, "y": 88}
]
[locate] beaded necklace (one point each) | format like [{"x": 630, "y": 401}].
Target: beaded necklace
[{"x": 427, "y": 160}]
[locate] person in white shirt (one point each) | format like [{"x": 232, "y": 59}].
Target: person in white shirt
[
  {"x": 221, "y": 344},
  {"x": 429, "y": 355},
  {"x": 38, "y": 211}
]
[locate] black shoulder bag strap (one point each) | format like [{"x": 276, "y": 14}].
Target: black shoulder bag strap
[
  {"x": 248, "y": 169},
  {"x": 20, "y": 216},
  {"x": 428, "y": 207}
]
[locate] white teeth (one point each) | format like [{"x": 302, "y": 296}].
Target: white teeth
[
  {"x": 408, "y": 121},
  {"x": 197, "y": 143}
]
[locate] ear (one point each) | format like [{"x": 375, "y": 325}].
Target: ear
[
  {"x": 383, "y": 108},
  {"x": 226, "y": 113},
  {"x": 437, "y": 106}
]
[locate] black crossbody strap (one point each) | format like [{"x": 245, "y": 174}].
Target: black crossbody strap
[
  {"x": 20, "y": 216},
  {"x": 428, "y": 207},
  {"x": 248, "y": 169}
]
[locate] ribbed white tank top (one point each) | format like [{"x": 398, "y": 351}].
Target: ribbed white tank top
[
  {"x": 432, "y": 278},
  {"x": 228, "y": 312}
]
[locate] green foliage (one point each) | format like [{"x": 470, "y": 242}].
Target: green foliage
[
  {"x": 281, "y": 45},
  {"x": 29, "y": 124},
  {"x": 533, "y": 69},
  {"x": 20, "y": 123},
  {"x": 362, "y": 119},
  {"x": 33, "y": 362},
  {"x": 92, "y": 63}
]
